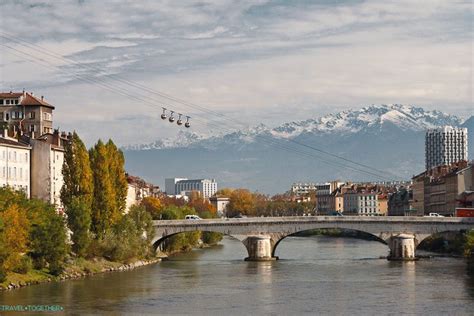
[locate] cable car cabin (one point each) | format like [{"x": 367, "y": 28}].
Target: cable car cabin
[{"x": 464, "y": 212}]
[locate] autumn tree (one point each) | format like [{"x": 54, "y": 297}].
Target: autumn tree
[
  {"x": 105, "y": 212},
  {"x": 225, "y": 192},
  {"x": 116, "y": 165},
  {"x": 16, "y": 227},
  {"x": 241, "y": 201},
  {"x": 152, "y": 205},
  {"x": 202, "y": 206},
  {"x": 77, "y": 173}
]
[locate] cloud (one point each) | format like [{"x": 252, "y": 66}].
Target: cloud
[{"x": 255, "y": 60}]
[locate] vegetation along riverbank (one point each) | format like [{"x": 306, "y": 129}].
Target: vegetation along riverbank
[{"x": 95, "y": 232}]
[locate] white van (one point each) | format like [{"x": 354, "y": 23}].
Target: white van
[{"x": 193, "y": 217}]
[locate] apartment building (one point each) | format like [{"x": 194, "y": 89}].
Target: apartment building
[
  {"x": 361, "y": 204},
  {"x": 24, "y": 113},
  {"x": 445, "y": 146},
  {"x": 15, "y": 165},
  {"x": 437, "y": 190}
]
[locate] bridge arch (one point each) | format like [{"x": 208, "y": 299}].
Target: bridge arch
[
  {"x": 159, "y": 240},
  {"x": 296, "y": 234}
]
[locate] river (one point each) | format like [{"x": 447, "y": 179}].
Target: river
[{"x": 316, "y": 275}]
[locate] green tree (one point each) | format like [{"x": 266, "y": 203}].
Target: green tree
[
  {"x": 116, "y": 162},
  {"x": 79, "y": 221},
  {"x": 77, "y": 173},
  {"x": 48, "y": 237},
  {"x": 104, "y": 208}
]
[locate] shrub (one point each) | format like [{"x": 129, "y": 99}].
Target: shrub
[{"x": 24, "y": 265}]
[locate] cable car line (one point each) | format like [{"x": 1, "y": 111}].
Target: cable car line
[
  {"x": 187, "y": 124},
  {"x": 175, "y": 99}
]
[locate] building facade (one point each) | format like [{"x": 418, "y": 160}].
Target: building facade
[
  {"x": 303, "y": 188},
  {"x": 206, "y": 187},
  {"x": 361, "y": 204},
  {"x": 220, "y": 203},
  {"x": 23, "y": 113},
  {"x": 170, "y": 185},
  {"x": 437, "y": 190},
  {"x": 445, "y": 146},
  {"x": 15, "y": 165},
  {"x": 47, "y": 159}
]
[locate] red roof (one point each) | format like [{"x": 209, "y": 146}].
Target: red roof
[{"x": 27, "y": 100}]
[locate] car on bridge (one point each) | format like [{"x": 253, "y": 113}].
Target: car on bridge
[
  {"x": 192, "y": 217},
  {"x": 434, "y": 215}
]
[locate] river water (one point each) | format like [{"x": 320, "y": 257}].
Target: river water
[{"x": 316, "y": 275}]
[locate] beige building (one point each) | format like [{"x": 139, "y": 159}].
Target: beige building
[
  {"x": 23, "y": 113},
  {"x": 437, "y": 190},
  {"x": 220, "y": 203},
  {"x": 47, "y": 159},
  {"x": 15, "y": 165},
  {"x": 362, "y": 204}
]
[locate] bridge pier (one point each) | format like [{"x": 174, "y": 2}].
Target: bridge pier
[
  {"x": 402, "y": 247},
  {"x": 259, "y": 248}
]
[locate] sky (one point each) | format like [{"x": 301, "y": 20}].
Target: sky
[{"x": 105, "y": 65}]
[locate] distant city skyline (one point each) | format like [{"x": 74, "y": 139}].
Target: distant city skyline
[{"x": 258, "y": 61}]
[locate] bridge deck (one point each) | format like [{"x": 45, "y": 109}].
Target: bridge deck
[{"x": 317, "y": 219}]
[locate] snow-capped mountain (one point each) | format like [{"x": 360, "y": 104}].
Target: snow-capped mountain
[
  {"x": 372, "y": 118},
  {"x": 385, "y": 137}
]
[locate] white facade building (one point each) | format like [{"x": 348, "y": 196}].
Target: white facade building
[
  {"x": 15, "y": 165},
  {"x": 362, "y": 204},
  {"x": 170, "y": 185},
  {"x": 444, "y": 146},
  {"x": 206, "y": 187},
  {"x": 303, "y": 188},
  {"x": 318, "y": 188}
]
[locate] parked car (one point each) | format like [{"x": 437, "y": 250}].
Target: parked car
[
  {"x": 192, "y": 217},
  {"x": 434, "y": 215}
]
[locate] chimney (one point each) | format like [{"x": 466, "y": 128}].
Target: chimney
[
  {"x": 42, "y": 97},
  {"x": 56, "y": 139},
  {"x": 31, "y": 93}
]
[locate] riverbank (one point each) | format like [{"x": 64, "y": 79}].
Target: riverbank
[{"x": 77, "y": 268}]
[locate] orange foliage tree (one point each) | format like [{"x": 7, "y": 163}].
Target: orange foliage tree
[{"x": 16, "y": 230}]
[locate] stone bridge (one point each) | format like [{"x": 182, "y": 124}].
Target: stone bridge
[{"x": 261, "y": 235}]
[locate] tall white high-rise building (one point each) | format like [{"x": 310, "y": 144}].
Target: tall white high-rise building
[{"x": 445, "y": 145}]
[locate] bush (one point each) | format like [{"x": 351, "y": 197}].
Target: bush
[
  {"x": 24, "y": 265},
  {"x": 211, "y": 238}
]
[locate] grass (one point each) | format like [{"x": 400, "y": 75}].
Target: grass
[{"x": 77, "y": 266}]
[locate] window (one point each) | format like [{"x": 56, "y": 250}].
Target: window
[
  {"x": 32, "y": 128},
  {"x": 26, "y": 157},
  {"x": 7, "y": 102},
  {"x": 31, "y": 115},
  {"x": 1, "y": 116},
  {"x": 1, "y": 102},
  {"x": 16, "y": 101},
  {"x": 47, "y": 117}
]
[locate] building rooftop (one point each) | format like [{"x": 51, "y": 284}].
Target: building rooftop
[
  {"x": 11, "y": 142},
  {"x": 28, "y": 99}
]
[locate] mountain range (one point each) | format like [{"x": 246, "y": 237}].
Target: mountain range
[{"x": 386, "y": 142}]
